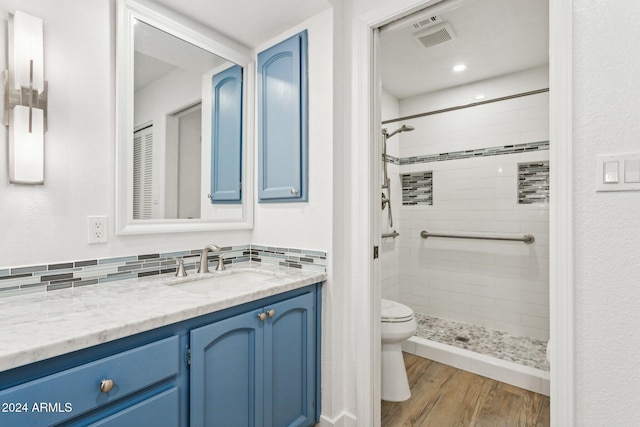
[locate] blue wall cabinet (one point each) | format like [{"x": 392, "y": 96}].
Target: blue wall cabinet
[
  {"x": 257, "y": 368},
  {"x": 283, "y": 121},
  {"x": 226, "y": 136}
]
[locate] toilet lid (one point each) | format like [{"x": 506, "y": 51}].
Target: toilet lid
[{"x": 392, "y": 311}]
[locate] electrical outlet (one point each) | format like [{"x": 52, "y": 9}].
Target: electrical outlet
[{"x": 97, "y": 229}]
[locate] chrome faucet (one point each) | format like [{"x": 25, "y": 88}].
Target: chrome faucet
[{"x": 204, "y": 262}]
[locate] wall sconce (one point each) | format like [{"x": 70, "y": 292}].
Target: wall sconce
[{"x": 25, "y": 99}]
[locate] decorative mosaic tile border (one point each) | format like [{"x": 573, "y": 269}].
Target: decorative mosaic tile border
[
  {"x": 481, "y": 152},
  {"x": 288, "y": 257},
  {"x": 417, "y": 188},
  {"x": 391, "y": 159},
  {"x": 533, "y": 183},
  {"x": 50, "y": 277}
]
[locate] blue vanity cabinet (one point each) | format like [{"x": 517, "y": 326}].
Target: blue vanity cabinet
[
  {"x": 144, "y": 386},
  {"x": 159, "y": 410},
  {"x": 258, "y": 368},
  {"x": 256, "y": 364},
  {"x": 283, "y": 122}
]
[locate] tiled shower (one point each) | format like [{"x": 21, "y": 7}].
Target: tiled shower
[{"x": 480, "y": 171}]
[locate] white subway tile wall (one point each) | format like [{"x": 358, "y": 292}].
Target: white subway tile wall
[{"x": 499, "y": 285}]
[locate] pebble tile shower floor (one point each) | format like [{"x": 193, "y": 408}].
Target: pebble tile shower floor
[{"x": 522, "y": 350}]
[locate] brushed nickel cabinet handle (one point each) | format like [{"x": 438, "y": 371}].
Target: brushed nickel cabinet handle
[
  {"x": 106, "y": 385},
  {"x": 262, "y": 316},
  {"x": 271, "y": 313}
]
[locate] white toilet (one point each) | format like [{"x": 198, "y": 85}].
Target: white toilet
[{"x": 398, "y": 325}]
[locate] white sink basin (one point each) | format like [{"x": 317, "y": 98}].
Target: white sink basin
[{"x": 207, "y": 284}]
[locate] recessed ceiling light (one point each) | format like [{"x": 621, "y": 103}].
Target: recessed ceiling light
[
  {"x": 479, "y": 96},
  {"x": 460, "y": 67}
]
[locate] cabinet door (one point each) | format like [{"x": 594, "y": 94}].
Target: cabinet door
[
  {"x": 282, "y": 121},
  {"x": 226, "y": 136},
  {"x": 290, "y": 371},
  {"x": 227, "y": 372}
]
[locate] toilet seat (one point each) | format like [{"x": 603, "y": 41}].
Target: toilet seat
[{"x": 394, "y": 312}]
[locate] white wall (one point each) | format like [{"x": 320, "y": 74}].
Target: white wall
[
  {"x": 606, "y": 225},
  {"x": 501, "y": 285},
  {"x": 46, "y": 224},
  {"x": 80, "y": 149}
]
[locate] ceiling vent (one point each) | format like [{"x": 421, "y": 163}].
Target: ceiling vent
[
  {"x": 435, "y": 35},
  {"x": 429, "y": 22}
]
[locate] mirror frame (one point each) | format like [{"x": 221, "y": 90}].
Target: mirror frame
[{"x": 204, "y": 38}]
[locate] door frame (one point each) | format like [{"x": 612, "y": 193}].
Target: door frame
[{"x": 366, "y": 232}]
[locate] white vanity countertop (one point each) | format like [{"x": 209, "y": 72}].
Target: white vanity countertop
[{"x": 38, "y": 326}]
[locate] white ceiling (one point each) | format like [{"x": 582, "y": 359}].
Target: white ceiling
[
  {"x": 494, "y": 38},
  {"x": 250, "y": 22},
  {"x": 158, "y": 53}
]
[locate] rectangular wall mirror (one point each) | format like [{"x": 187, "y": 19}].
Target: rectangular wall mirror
[{"x": 184, "y": 147}]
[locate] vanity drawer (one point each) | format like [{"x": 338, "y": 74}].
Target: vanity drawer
[
  {"x": 157, "y": 411},
  {"x": 69, "y": 393}
]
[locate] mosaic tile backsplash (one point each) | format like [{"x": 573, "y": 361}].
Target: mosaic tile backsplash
[
  {"x": 49, "y": 277},
  {"x": 533, "y": 183},
  {"x": 417, "y": 188}
]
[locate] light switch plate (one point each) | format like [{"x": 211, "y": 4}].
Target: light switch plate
[
  {"x": 611, "y": 171},
  {"x": 632, "y": 171},
  {"x": 618, "y": 172}
]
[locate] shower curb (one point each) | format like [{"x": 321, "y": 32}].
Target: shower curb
[{"x": 525, "y": 377}]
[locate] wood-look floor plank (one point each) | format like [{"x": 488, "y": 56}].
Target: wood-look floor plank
[
  {"x": 444, "y": 396},
  {"x": 425, "y": 379},
  {"x": 459, "y": 401}
]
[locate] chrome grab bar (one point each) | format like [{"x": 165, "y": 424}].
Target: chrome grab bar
[
  {"x": 527, "y": 238},
  {"x": 394, "y": 234}
]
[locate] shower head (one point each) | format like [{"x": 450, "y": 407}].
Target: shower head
[{"x": 404, "y": 128}]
